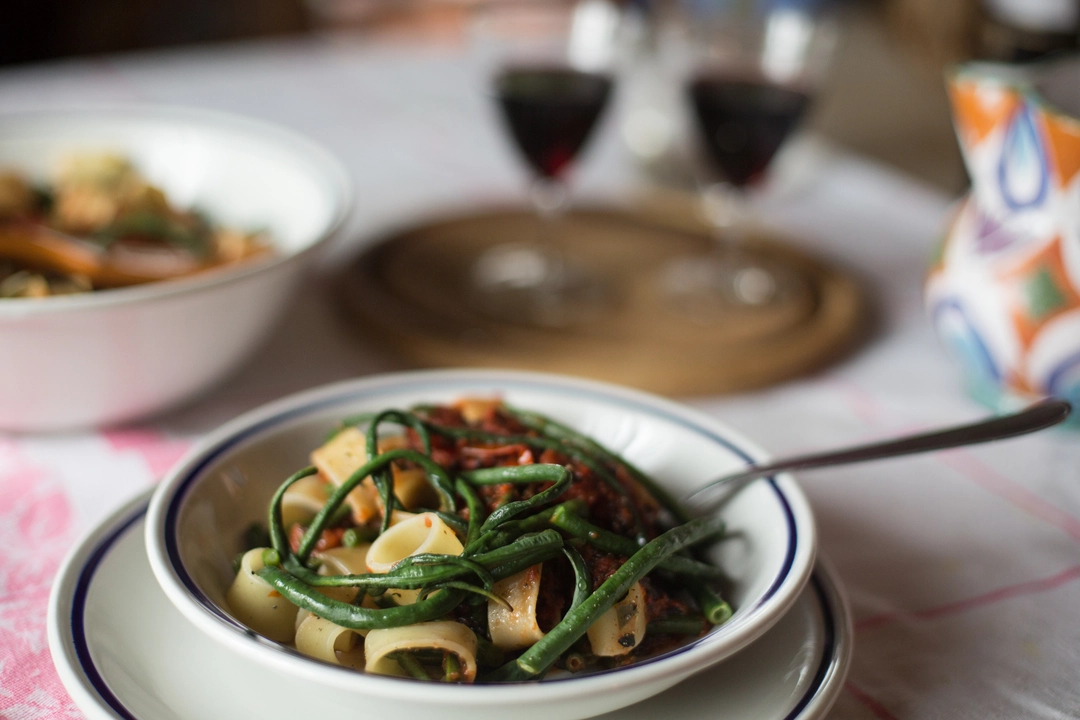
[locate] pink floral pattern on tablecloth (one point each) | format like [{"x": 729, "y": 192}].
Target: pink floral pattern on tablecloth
[
  {"x": 36, "y": 529},
  {"x": 158, "y": 451},
  {"x": 38, "y": 525}
]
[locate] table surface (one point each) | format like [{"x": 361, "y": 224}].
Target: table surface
[{"x": 963, "y": 568}]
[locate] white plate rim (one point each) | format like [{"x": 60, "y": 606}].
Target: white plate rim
[
  {"x": 80, "y": 677},
  {"x": 802, "y": 540}
]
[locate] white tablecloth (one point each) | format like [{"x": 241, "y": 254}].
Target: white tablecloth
[{"x": 963, "y": 568}]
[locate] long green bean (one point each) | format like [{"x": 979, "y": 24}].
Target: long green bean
[
  {"x": 551, "y": 473},
  {"x": 383, "y": 477},
  {"x": 403, "y": 418},
  {"x": 582, "y": 580},
  {"x": 678, "y": 625},
  {"x": 715, "y": 609},
  {"x": 543, "y": 443},
  {"x": 410, "y": 665},
  {"x": 513, "y": 529},
  {"x": 537, "y": 659},
  {"x": 499, "y": 563},
  {"x": 618, "y": 545},
  {"x": 439, "y": 477},
  {"x": 477, "y": 514},
  {"x": 541, "y": 548},
  {"x": 467, "y": 587},
  {"x": 428, "y": 560},
  {"x": 454, "y": 522},
  {"x": 358, "y": 618},
  {"x": 557, "y": 431},
  {"x": 278, "y": 538},
  {"x": 451, "y": 668},
  {"x": 514, "y": 474}
]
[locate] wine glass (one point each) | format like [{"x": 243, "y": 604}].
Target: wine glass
[
  {"x": 751, "y": 69},
  {"x": 550, "y": 67}
]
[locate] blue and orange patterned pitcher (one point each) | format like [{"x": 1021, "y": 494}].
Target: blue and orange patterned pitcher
[{"x": 1005, "y": 288}]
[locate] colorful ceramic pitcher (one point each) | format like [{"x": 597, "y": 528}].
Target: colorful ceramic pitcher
[{"x": 1004, "y": 290}]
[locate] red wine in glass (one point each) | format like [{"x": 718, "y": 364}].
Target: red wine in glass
[
  {"x": 745, "y": 121},
  {"x": 551, "y": 111}
]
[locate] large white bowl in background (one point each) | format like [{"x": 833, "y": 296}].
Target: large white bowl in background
[
  {"x": 116, "y": 355},
  {"x": 198, "y": 515}
]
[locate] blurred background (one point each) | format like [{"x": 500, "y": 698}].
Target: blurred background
[{"x": 885, "y": 96}]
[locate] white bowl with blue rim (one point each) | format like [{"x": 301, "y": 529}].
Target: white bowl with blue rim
[{"x": 197, "y": 517}]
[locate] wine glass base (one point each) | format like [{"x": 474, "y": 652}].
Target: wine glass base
[
  {"x": 705, "y": 287},
  {"x": 533, "y": 285}
]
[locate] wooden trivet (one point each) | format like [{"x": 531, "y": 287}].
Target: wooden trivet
[{"x": 410, "y": 293}]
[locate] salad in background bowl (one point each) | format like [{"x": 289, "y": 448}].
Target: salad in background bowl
[
  {"x": 130, "y": 350},
  {"x": 98, "y": 223}
]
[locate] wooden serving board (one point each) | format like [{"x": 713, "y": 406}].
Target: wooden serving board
[{"x": 409, "y": 293}]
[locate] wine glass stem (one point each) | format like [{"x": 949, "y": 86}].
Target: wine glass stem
[
  {"x": 549, "y": 201},
  {"x": 746, "y": 280},
  {"x": 727, "y": 210}
]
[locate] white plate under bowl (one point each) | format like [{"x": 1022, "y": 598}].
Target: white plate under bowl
[
  {"x": 123, "y": 651},
  {"x": 198, "y": 514}
]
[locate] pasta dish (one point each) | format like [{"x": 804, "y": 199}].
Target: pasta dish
[
  {"x": 475, "y": 542},
  {"x": 100, "y": 224}
]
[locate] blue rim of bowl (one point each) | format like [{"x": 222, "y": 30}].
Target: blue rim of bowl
[
  {"x": 829, "y": 655},
  {"x": 209, "y": 455}
]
